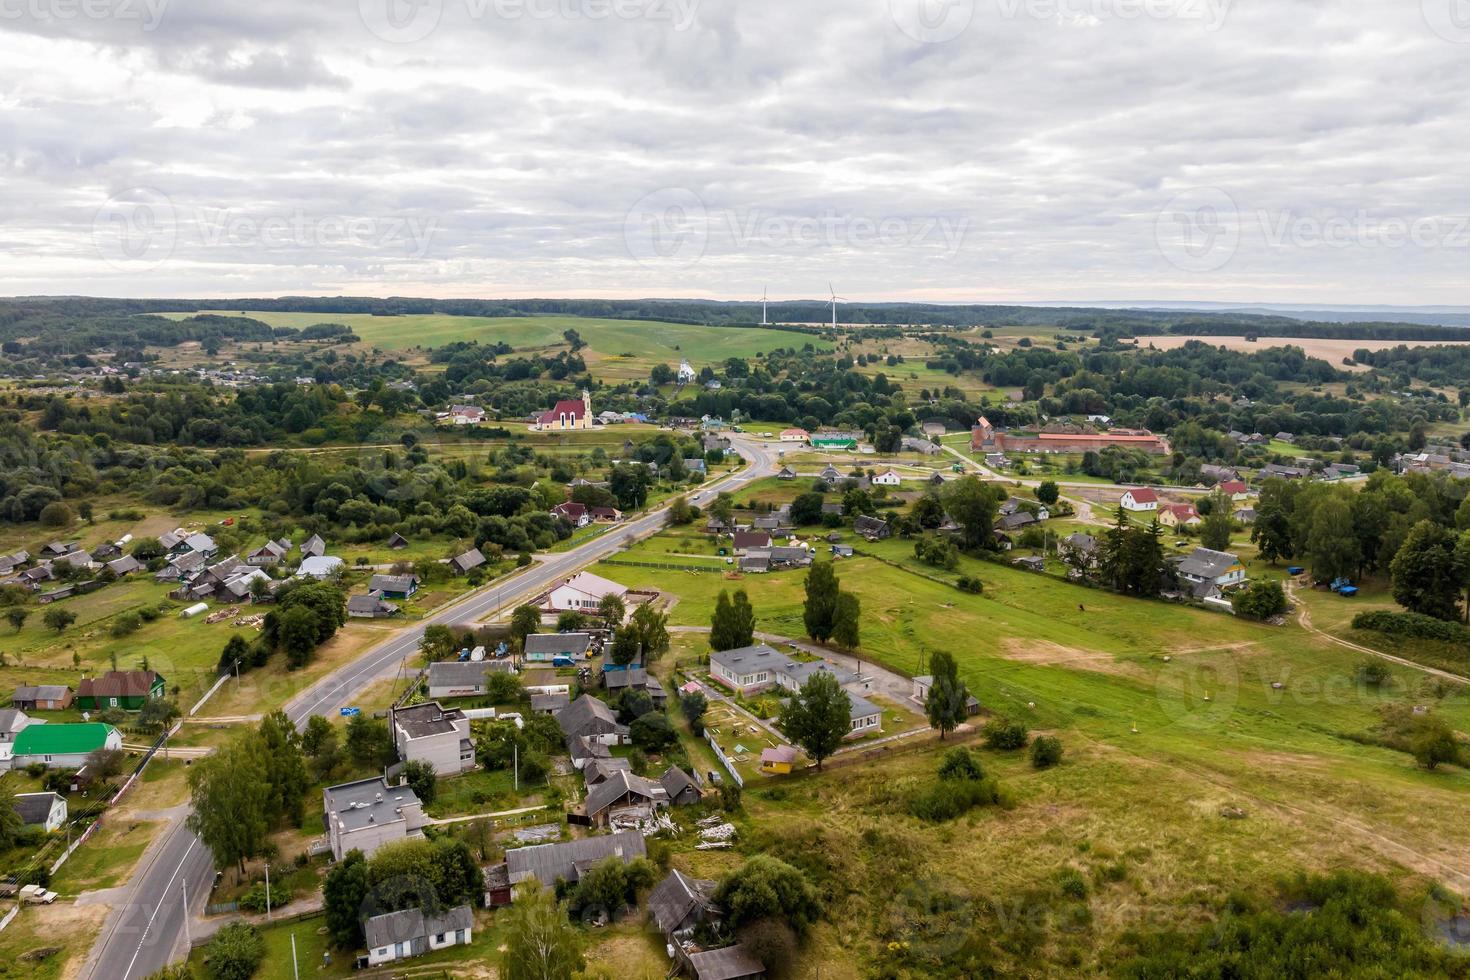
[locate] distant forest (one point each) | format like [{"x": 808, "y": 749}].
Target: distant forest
[{"x": 43, "y": 316}]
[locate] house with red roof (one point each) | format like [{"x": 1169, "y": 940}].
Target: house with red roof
[
  {"x": 1140, "y": 499},
  {"x": 572, "y": 512},
  {"x": 1236, "y": 489},
  {"x": 566, "y": 415},
  {"x": 1178, "y": 515}
]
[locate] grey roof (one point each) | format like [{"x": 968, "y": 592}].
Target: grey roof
[
  {"x": 601, "y": 769},
  {"x": 1019, "y": 519},
  {"x": 758, "y": 561},
  {"x": 40, "y": 692},
  {"x": 789, "y": 554},
  {"x": 726, "y": 964},
  {"x": 34, "y": 808},
  {"x": 314, "y": 545},
  {"x": 574, "y": 644},
  {"x": 627, "y": 677},
  {"x": 1084, "y": 543},
  {"x": 548, "y": 862},
  {"x": 124, "y": 565},
  {"x": 410, "y": 924},
  {"x": 618, "y": 785},
  {"x": 429, "y": 718},
  {"x": 586, "y": 716},
  {"x": 549, "y": 702},
  {"x": 1204, "y": 563},
  {"x": 676, "y": 781},
  {"x": 678, "y": 896},
  {"x": 748, "y": 660},
  {"x": 199, "y": 542},
  {"x": 470, "y": 559},
  {"x": 367, "y": 801},
  {"x": 860, "y": 707},
  {"x": 393, "y": 583},
  {"x": 364, "y": 603},
  {"x": 10, "y": 719},
  {"x": 468, "y": 673},
  {"x": 802, "y": 670},
  {"x": 581, "y": 747}
]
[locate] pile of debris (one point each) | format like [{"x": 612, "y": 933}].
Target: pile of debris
[
  {"x": 720, "y": 837},
  {"x": 221, "y": 614},
  {"x": 253, "y": 621}
]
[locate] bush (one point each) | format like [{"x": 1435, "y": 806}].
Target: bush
[
  {"x": 1259, "y": 600},
  {"x": 951, "y": 798},
  {"x": 1071, "y": 882},
  {"x": 126, "y": 624},
  {"x": 1004, "y": 734},
  {"x": 235, "y": 952},
  {"x": 960, "y": 764},
  {"x": 1374, "y": 672},
  {"x": 1046, "y": 752},
  {"x": 254, "y": 899},
  {"x": 971, "y": 585},
  {"x": 1415, "y": 625}
]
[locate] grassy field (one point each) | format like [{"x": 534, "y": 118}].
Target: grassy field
[
  {"x": 633, "y": 344},
  {"x": 1170, "y": 715}
]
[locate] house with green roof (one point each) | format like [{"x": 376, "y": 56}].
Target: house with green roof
[{"x": 62, "y": 746}]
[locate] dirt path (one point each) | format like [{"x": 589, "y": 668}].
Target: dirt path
[{"x": 1304, "y": 616}]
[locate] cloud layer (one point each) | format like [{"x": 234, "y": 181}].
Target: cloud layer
[{"x": 945, "y": 150}]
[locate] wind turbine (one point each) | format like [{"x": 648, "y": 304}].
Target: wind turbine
[
  {"x": 765, "y": 321},
  {"x": 835, "y": 298}
]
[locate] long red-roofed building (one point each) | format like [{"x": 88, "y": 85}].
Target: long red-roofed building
[
  {"x": 567, "y": 415},
  {"x": 1063, "y": 439}
]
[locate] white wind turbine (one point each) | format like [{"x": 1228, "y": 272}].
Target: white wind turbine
[
  {"x": 765, "y": 321},
  {"x": 835, "y": 298}
]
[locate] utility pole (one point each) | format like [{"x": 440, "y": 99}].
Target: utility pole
[
  {"x": 295, "y": 971},
  {"x": 515, "y": 748},
  {"x": 267, "y": 891},
  {"x": 185, "y": 884}
]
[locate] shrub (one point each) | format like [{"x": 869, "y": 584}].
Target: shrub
[
  {"x": 235, "y": 952},
  {"x": 951, "y": 798},
  {"x": 1415, "y": 625},
  {"x": 1004, "y": 734},
  {"x": 126, "y": 624},
  {"x": 969, "y": 584},
  {"x": 1374, "y": 673},
  {"x": 1071, "y": 882},
  {"x": 960, "y": 763},
  {"x": 1260, "y": 600},
  {"x": 1046, "y": 751}
]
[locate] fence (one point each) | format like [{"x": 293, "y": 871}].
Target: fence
[
  {"x": 724, "y": 759},
  {"x": 8, "y": 916},
  {"x": 668, "y": 567}
]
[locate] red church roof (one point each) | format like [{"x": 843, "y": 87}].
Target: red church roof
[{"x": 572, "y": 408}]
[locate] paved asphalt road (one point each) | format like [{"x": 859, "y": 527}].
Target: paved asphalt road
[{"x": 147, "y": 932}]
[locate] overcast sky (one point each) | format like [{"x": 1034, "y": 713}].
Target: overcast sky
[{"x": 947, "y": 150}]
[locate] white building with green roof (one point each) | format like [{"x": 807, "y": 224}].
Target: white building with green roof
[{"x": 63, "y": 746}]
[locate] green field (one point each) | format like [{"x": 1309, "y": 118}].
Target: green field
[{"x": 644, "y": 342}]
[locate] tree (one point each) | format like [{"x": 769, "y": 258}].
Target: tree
[
  {"x": 1434, "y": 743},
  {"x": 523, "y": 622},
  {"x": 1217, "y": 526},
  {"x": 722, "y": 509},
  {"x": 17, "y": 617},
  {"x": 369, "y": 745},
  {"x": 157, "y": 714},
  {"x": 229, "y": 795},
  {"x": 624, "y": 648},
  {"x": 1004, "y": 734},
  {"x": 652, "y": 732},
  {"x": 437, "y": 643},
  {"x": 1331, "y": 548},
  {"x": 743, "y": 620},
  {"x": 296, "y": 633},
  {"x": 652, "y": 627},
  {"x": 322, "y": 746},
  {"x": 105, "y": 763},
  {"x": 422, "y": 779},
  {"x": 343, "y": 895},
  {"x": 1260, "y": 600},
  {"x": 821, "y": 601},
  {"x": 570, "y": 621},
  {"x": 818, "y": 717},
  {"x": 236, "y": 651},
  {"x": 960, "y": 764},
  {"x": 540, "y": 941},
  {"x": 767, "y": 888},
  {"x": 946, "y": 703},
  {"x": 680, "y": 513},
  {"x": 235, "y": 952},
  {"x": 693, "y": 706},
  {"x": 285, "y": 767},
  {"x": 11, "y": 824},
  {"x": 722, "y": 624},
  {"x": 806, "y": 509},
  {"x": 57, "y": 514},
  {"x": 1427, "y": 572},
  {"x": 58, "y": 619},
  {"x": 846, "y": 621},
  {"x": 1048, "y": 492},
  {"x": 1272, "y": 530},
  {"x": 973, "y": 506},
  {"x": 611, "y": 610},
  {"x": 629, "y": 482}
]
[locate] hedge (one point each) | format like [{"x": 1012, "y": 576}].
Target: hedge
[{"x": 1412, "y": 624}]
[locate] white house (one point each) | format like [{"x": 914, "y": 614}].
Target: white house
[
  {"x": 45, "y": 810},
  {"x": 582, "y": 593},
  {"x": 319, "y": 566},
  {"x": 888, "y": 478},
  {"x": 750, "y": 670},
  {"x": 686, "y": 373},
  {"x": 793, "y": 435},
  {"x": 399, "y": 935},
  {"x": 466, "y": 415},
  {"x": 369, "y": 813},
  {"x": 428, "y": 733},
  {"x": 1140, "y": 500}
]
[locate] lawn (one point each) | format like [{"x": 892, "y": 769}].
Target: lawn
[
  {"x": 108, "y": 857},
  {"x": 49, "y": 942}
]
